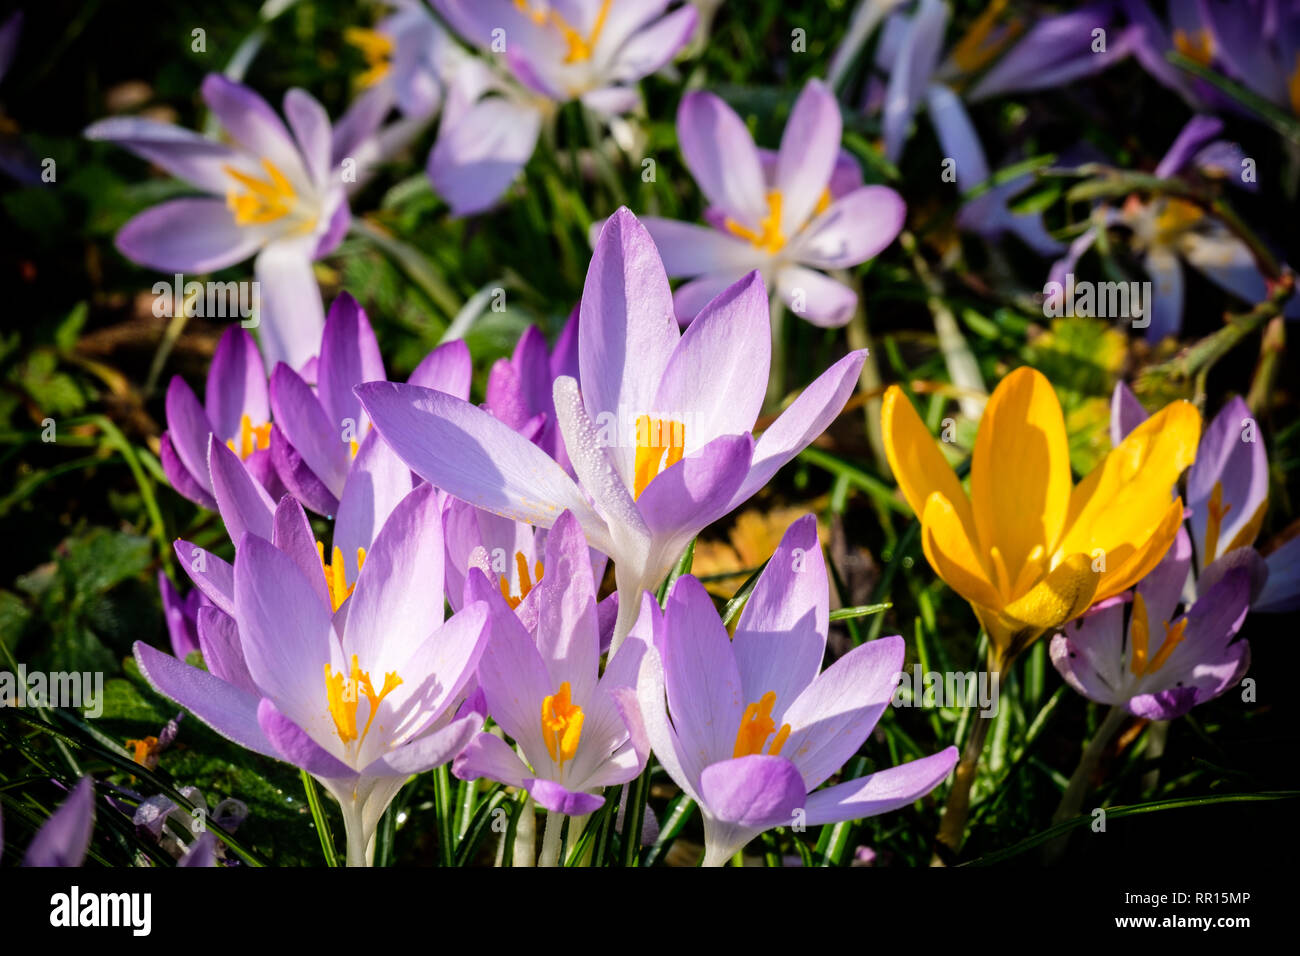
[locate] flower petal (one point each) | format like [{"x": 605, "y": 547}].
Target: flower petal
[
  {"x": 721, "y": 156},
  {"x": 880, "y": 792}
]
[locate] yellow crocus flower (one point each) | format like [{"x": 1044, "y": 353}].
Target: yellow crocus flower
[{"x": 1028, "y": 548}]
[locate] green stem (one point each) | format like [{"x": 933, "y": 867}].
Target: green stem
[
  {"x": 952, "y": 830},
  {"x": 551, "y": 839},
  {"x": 321, "y": 821},
  {"x": 1081, "y": 780}
]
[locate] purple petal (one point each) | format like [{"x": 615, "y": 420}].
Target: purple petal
[
  {"x": 432, "y": 750},
  {"x": 223, "y": 654},
  {"x": 236, "y": 384},
  {"x": 187, "y": 235},
  {"x": 244, "y": 504},
  {"x": 447, "y": 368},
  {"x": 227, "y": 709},
  {"x": 210, "y": 574},
  {"x": 781, "y": 637},
  {"x": 291, "y": 533},
  {"x": 491, "y": 757},
  {"x": 755, "y": 792},
  {"x": 180, "y": 477},
  {"x": 298, "y": 478},
  {"x": 1126, "y": 413},
  {"x": 310, "y": 429},
  {"x": 349, "y": 355},
  {"x": 835, "y": 713},
  {"x": 557, "y": 798},
  {"x": 819, "y": 299},
  {"x": 882, "y": 791},
  {"x": 721, "y": 156},
  {"x": 295, "y": 745},
  {"x": 188, "y": 429},
  {"x": 377, "y": 482},
  {"x": 478, "y": 157},
  {"x": 65, "y": 836},
  {"x": 854, "y": 229}
]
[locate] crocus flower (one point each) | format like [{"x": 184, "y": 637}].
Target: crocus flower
[
  {"x": 1227, "y": 496},
  {"x": 362, "y": 698},
  {"x": 1255, "y": 42},
  {"x": 154, "y": 814},
  {"x": 377, "y": 482},
  {"x": 659, "y": 436},
  {"x": 65, "y": 836},
  {"x": 1168, "y": 231},
  {"x": 236, "y": 411},
  {"x": 1055, "y": 50},
  {"x": 1159, "y": 665},
  {"x": 410, "y": 61},
  {"x": 787, "y": 214},
  {"x": 271, "y": 195},
  {"x": 16, "y": 159},
  {"x": 750, "y": 728},
  {"x": 580, "y": 742},
  {"x": 1187, "y": 30},
  {"x": 181, "y": 615},
  {"x": 553, "y": 52},
  {"x": 519, "y": 389},
  {"x": 318, "y": 432},
  {"x": 1028, "y": 548}
]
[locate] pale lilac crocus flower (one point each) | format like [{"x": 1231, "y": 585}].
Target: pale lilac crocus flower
[
  {"x": 789, "y": 214},
  {"x": 543, "y": 686},
  {"x": 551, "y": 52},
  {"x": 236, "y": 411},
  {"x": 751, "y": 727},
  {"x": 272, "y": 195},
  {"x": 1159, "y": 664},
  {"x": 1227, "y": 499},
  {"x": 659, "y": 436},
  {"x": 362, "y": 698},
  {"x": 1257, "y": 43},
  {"x": 1168, "y": 231},
  {"x": 64, "y": 838},
  {"x": 318, "y": 432}
]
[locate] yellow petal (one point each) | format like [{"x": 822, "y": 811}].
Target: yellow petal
[
  {"x": 1124, "y": 499},
  {"x": 952, "y": 555},
  {"x": 918, "y": 465},
  {"x": 1020, "y": 472},
  {"x": 1065, "y": 593},
  {"x": 1128, "y": 565}
]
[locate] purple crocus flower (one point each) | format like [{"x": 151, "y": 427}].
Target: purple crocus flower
[
  {"x": 318, "y": 433},
  {"x": 65, "y": 836},
  {"x": 580, "y": 743},
  {"x": 1153, "y": 675},
  {"x": 1227, "y": 499},
  {"x": 552, "y": 51},
  {"x": 1054, "y": 51},
  {"x": 293, "y": 681},
  {"x": 519, "y": 389},
  {"x": 750, "y": 728},
  {"x": 236, "y": 412},
  {"x": 1256, "y": 42},
  {"x": 181, "y": 615},
  {"x": 271, "y": 195},
  {"x": 660, "y": 435},
  {"x": 1187, "y": 30},
  {"x": 788, "y": 214},
  {"x": 1168, "y": 231},
  {"x": 377, "y": 482}
]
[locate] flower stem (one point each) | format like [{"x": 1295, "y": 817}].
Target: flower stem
[
  {"x": 551, "y": 839},
  {"x": 525, "y": 834},
  {"x": 952, "y": 829},
  {"x": 1081, "y": 780}
]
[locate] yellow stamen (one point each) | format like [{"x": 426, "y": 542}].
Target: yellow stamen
[
  {"x": 561, "y": 724},
  {"x": 580, "y": 48},
  {"x": 343, "y": 695},
  {"x": 823, "y": 202},
  {"x": 976, "y": 48},
  {"x": 145, "y": 751},
  {"x": 660, "y": 444},
  {"x": 1176, "y": 216},
  {"x": 1139, "y": 632},
  {"x": 266, "y": 200},
  {"x": 336, "y": 574},
  {"x": 251, "y": 437},
  {"x": 1198, "y": 46},
  {"x": 377, "y": 48},
  {"x": 756, "y": 725},
  {"x": 1216, "y": 510},
  {"x": 769, "y": 237},
  {"x": 526, "y": 583}
]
